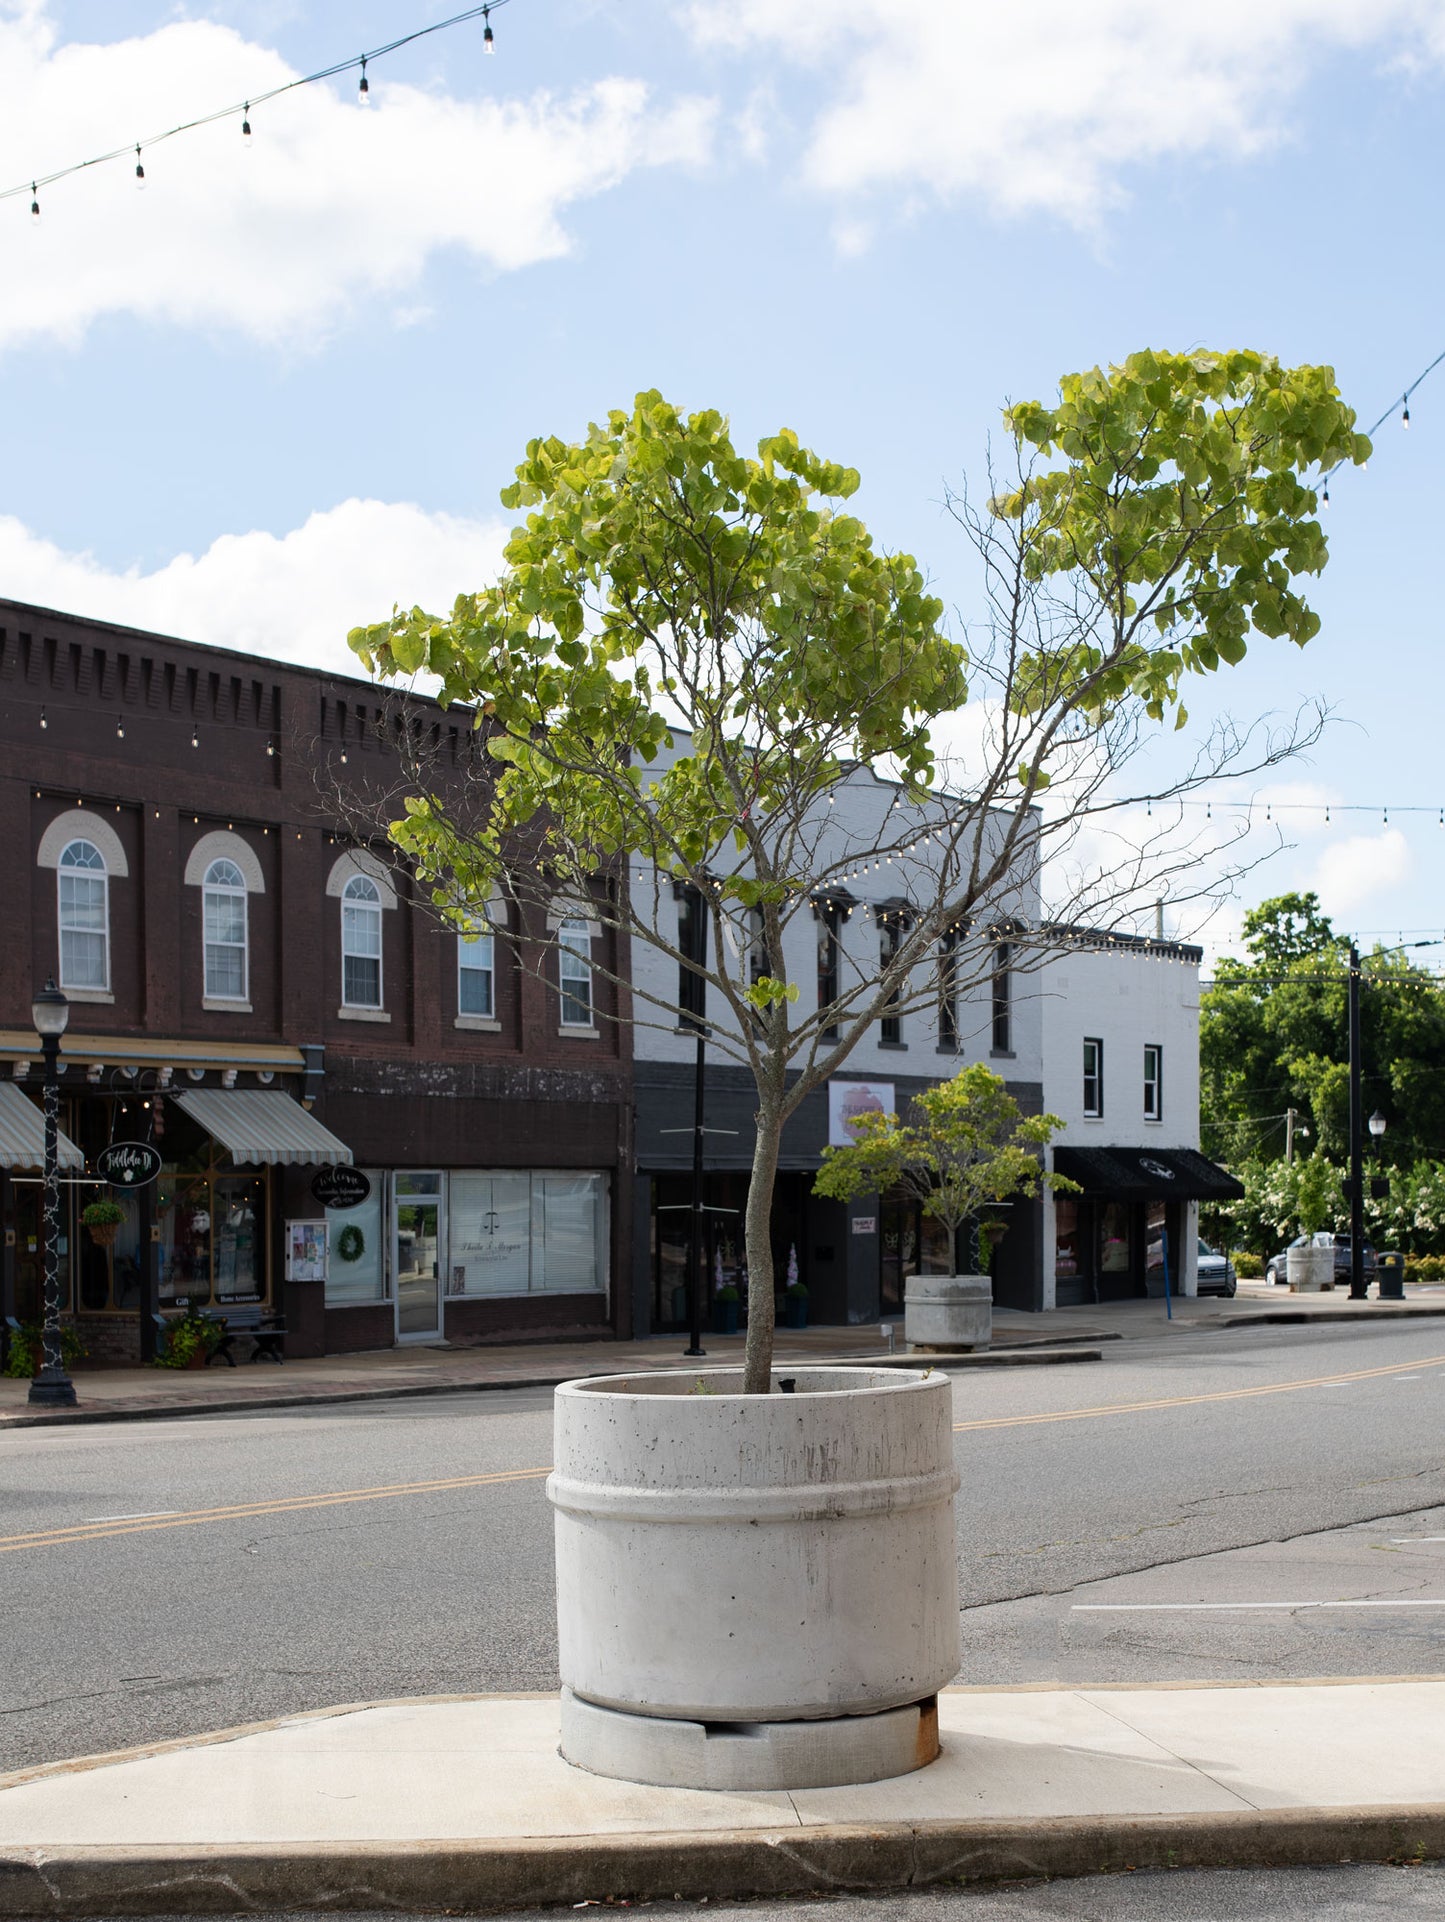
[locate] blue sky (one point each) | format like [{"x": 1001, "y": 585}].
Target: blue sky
[{"x": 272, "y": 393}]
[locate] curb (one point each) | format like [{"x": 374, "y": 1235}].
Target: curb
[
  {"x": 1374, "y": 1311},
  {"x": 536, "y": 1872},
  {"x": 73, "y": 1417}
]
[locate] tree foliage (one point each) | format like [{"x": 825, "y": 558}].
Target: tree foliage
[
  {"x": 690, "y": 649},
  {"x": 968, "y": 1147}
]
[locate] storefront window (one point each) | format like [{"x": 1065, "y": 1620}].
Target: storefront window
[
  {"x": 1114, "y": 1251},
  {"x": 1068, "y": 1243},
  {"x": 515, "y": 1234},
  {"x": 212, "y": 1238},
  {"x": 357, "y": 1269}
]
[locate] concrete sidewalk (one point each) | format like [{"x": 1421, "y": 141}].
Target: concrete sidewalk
[
  {"x": 464, "y": 1803},
  {"x": 1064, "y": 1335}
]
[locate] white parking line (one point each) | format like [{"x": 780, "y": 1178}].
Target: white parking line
[
  {"x": 1398, "y": 1540},
  {"x": 146, "y": 1515},
  {"x": 1190, "y": 1608}
]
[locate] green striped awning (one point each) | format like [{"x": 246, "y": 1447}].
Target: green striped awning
[
  {"x": 259, "y": 1126},
  {"x": 22, "y": 1133}
]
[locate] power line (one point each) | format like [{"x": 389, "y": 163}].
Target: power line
[{"x": 244, "y": 107}]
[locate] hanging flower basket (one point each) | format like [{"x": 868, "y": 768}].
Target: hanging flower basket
[{"x": 102, "y": 1220}]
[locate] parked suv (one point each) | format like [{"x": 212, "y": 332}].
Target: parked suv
[
  {"x": 1216, "y": 1271},
  {"x": 1277, "y": 1268}
]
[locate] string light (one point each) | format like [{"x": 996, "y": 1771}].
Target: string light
[
  {"x": 1405, "y": 412},
  {"x": 195, "y": 736},
  {"x": 119, "y": 728},
  {"x": 243, "y": 107},
  {"x": 364, "y": 90},
  {"x": 489, "y": 39},
  {"x": 43, "y": 721}
]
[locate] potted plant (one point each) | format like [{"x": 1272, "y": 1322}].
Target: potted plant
[
  {"x": 102, "y": 1219},
  {"x": 191, "y": 1340},
  {"x": 1316, "y": 1183},
  {"x": 25, "y": 1354},
  {"x": 725, "y": 1310},
  {"x": 969, "y": 1148},
  {"x": 795, "y": 1305}
]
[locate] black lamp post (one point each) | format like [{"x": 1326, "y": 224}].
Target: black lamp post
[{"x": 52, "y": 1387}]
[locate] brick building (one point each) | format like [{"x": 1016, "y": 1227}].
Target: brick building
[{"x": 254, "y": 991}]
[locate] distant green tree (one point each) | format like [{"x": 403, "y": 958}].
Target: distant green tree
[{"x": 1274, "y": 1035}]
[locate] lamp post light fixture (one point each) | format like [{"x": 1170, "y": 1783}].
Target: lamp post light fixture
[
  {"x": 1378, "y": 1124},
  {"x": 50, "y": 1011}
]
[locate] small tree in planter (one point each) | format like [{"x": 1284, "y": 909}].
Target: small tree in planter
[
  {"x": 1317, "y": 1203},
  {"x": 968, "y": 1149}
]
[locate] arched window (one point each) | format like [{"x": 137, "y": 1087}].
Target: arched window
[
  {"x": 223, "y": 897},
  {"x": 84, "y": 917},
  {"x": 574, "y": 971},
  {"x": 477, "y": 971},
  {"x": 361, "y": 943}
]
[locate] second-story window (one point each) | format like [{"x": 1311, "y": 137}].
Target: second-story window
[
  {"x": 574, "y": 971},
  {"x": 692, "y": 943},
  {"x": 948, "y": 990},
  {"x": 1153, "y": 1082},
  {"x": 1093, "y": 1076},
  {"x": 891, "y": 930},
  {"x": 477, "y": 971},
  {"x": 361, "y": 943},
  {"x": 829, "y": 917},
  {"x": 223, "y": 898},
  {"x": 84, "y": 905},
  {"x": 1002, "y": 1000}
]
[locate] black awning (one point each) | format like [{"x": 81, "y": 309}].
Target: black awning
[{"x": 1147, "y": 1174}]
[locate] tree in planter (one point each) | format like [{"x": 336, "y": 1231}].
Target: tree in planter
[
  {"x": 690, "y": 653},
  {"x": 968, "y": 1149}
]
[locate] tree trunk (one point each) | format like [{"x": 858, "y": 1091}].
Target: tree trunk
[{"x": 758, "y": 1356}]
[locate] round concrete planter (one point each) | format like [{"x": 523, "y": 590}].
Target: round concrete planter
[
  {"x": 1311, "y": 1270},
  {"x": 948, "y": 1312},
  {"x": 754, "y": 1562}
]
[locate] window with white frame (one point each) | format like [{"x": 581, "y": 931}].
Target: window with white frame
[
  {"x": 361, "y": 943},
  {"x": 223, "y": 909},
  {"x": 1093, "y": 1076},
  {"x": 477, "y": 971},
  {"x": 574, "y": 971},
  {"x": 1153, "y": 1082},
  {"x": 520, "y": 1232},
  {"x": 84, "y": 907}
]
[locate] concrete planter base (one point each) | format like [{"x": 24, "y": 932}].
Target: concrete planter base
[
  {"x": 742, "y": 1559},
  {"x": 950, "y": 1312},
  {"x": 749, "y": 1755},
  {"x": 1311, "y": 1271}
]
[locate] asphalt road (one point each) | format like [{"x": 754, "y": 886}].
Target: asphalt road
[{"x": 166, "y": 1578}]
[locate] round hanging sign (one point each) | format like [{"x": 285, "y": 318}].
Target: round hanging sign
[
  {"x": 128, "y": 1164},
  {"x": 340, "y": 1187}
]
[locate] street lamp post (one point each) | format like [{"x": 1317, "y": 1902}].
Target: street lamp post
[
  {"x": 52, "y": 1387},
  {"x": 1358, "y": 1289}
]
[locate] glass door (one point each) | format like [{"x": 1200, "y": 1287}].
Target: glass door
[{"x": 417, "y": 1255}]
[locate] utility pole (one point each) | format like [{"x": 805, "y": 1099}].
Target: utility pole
[
  {"x": 1357, "y": 1144},
  {"x": 1289, "y": 1115}
]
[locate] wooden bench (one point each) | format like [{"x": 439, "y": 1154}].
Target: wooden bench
[{"x": 267, "y": 1332}]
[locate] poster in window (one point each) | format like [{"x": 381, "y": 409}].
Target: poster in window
[
  {"x": 306, "y": 1250},
  {"x": 849, "y": 1099}
]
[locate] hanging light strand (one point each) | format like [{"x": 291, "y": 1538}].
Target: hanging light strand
[{"x": 243, "y": 107}]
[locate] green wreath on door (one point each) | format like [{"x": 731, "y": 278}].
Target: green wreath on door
[{"x": 350, "y": 1243}]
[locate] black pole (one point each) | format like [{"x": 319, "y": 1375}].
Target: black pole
[
  {"x": 696, "y": 1280},
  {"x": 52, "y": 1387},
  {"x": 1357, "y": 1145}
]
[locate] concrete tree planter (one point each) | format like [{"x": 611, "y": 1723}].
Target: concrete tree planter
[
  {"x": 755, "y": 1591},
  {"x": 948, "y": 1312},
  {"x": 1310, "y": 1270}
]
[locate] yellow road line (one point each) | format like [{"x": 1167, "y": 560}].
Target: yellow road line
[
  {"x": 1193, "y": 1401},
  {"x": 245, "y": 1511},
  {"x": 387, "y": 1491}
]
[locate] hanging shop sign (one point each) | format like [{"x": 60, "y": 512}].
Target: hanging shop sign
[
  {"x": 128, "y": 1164},
  {"x": 340, "y": 1187}
]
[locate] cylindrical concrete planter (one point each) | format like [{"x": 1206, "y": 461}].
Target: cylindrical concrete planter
[
  {"x": 1310, "y": 1270},
  {"x": 949, "y": 1312},
  {"x": 756, "y": 1562}
]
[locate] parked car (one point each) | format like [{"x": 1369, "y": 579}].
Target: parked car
[
  {"x": 1216, "y": 1272},
  {"x": 1277, "y": 1268}
]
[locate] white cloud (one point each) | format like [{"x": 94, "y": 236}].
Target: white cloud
[
  {"x": 334, "y": 203},
  {"x": 1050, "y": 105},
  {"x": 289, "y": 598},
  {"x": 1358, "y": 869}
]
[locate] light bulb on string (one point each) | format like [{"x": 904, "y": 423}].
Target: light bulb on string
[
  {"x": 119, "y": 728},
  {"x": 364, "y": 90},
  {"x": 1325, "y": 495},
  {"x": 43, "y": 721},
  {"x": 246, "y": 126},
  {"x": 140, "y": 172},
  {"x": 195, "y": 737},
  {"x": 34, "y": 203},
  {"x": 489, "y": 39},
  {"x": 1405, "y": 411}
]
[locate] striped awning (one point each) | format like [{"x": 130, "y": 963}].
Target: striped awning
[
  {"x": 257, "y": 1125},
  {"x": 22, "y": 1133}
]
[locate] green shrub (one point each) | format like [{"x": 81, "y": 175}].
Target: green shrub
[
  {"x": 1247, "y": 1266},
  {"x": 190, "y": 1334},
  {"x": 1425, "y": 1268},
  {"x": 27, "y": 1349}
]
